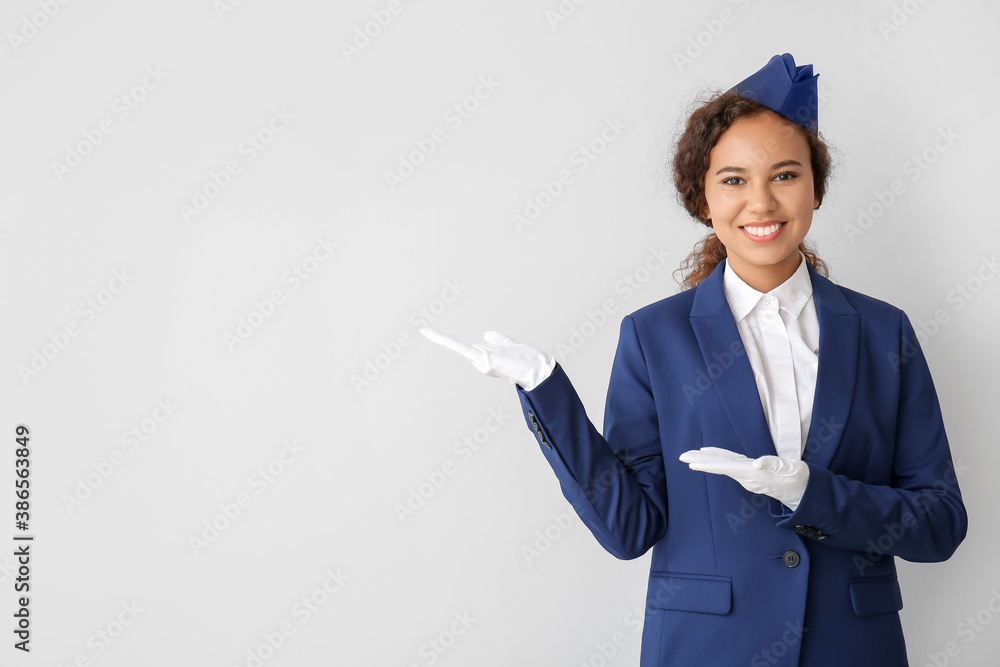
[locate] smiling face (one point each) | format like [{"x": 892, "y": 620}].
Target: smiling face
[{"x": 760, "y": 197}]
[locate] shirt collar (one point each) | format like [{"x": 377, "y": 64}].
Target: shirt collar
[{"x": 792, "y": 295}]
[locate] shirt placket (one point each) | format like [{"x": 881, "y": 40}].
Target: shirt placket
[{"x": 787, "y": 431}]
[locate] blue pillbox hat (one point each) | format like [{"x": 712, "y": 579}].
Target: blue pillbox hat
[{"x": 785, "y": 89}]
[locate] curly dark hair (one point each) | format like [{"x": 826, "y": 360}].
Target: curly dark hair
[{"x": 691, "y": 161}]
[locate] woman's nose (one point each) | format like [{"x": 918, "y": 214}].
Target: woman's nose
[{"x": 761, "y": 199}]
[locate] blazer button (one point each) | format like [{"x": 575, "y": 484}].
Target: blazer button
[
  {"x": 791, "y": 558},
  {"x": 811, "y": 532},
  {"x": 538, "y": 430}
]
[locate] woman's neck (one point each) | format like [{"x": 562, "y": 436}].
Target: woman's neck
[{"x": 765, "y": 277}]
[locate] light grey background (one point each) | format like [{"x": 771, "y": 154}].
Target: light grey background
[{"x": 444, "y": 234}]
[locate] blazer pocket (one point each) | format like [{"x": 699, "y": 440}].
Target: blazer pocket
[
  {"x": 700, "y": 593},
  {"x": 876, "y": 595}
]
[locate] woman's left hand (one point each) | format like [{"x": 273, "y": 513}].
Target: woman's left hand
[{"x": 782, "y": 479}]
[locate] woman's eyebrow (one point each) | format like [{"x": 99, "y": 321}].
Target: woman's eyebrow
[{"x": 776, "y": 165}]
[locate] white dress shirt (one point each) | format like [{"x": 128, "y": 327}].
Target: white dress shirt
[{"x": 780, "y": 332}]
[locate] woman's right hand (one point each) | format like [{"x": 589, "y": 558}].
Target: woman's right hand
[{"x": 501, "y": 357}]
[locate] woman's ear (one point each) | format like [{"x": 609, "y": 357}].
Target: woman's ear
[{"x": 705, "y": 215}]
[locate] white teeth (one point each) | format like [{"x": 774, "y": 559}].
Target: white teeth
[{"x": 763, "y": 231}]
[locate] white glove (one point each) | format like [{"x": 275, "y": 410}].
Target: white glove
[
  {"x": 782, "y": 479},
  {"x": 500, "y": 357}
]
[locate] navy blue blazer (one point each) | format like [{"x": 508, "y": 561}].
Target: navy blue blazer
[{"x": 738, "y": 578}]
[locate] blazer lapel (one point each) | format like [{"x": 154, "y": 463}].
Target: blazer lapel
[
  {"x": 839, "y": 340},
  {"x": 728, "y": 366}
]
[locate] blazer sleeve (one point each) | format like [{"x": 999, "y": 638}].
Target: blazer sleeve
[
  {"x": 615, "y": 482},
  {"x": 920, "y": 516}
]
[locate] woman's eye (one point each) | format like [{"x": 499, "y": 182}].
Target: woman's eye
[
  {"x": 732, "y": 180},
  {"x": 785, "y": 176}
]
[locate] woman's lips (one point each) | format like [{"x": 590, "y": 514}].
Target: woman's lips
[{"x": 764, "y": 232}]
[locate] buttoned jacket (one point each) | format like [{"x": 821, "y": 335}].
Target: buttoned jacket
[{"x": 737, "y": 578}]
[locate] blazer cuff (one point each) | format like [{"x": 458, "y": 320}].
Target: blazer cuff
[{"x": 802, "y": 520}]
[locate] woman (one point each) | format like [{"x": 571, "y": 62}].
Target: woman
[{"x": 773, "y": 437}]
